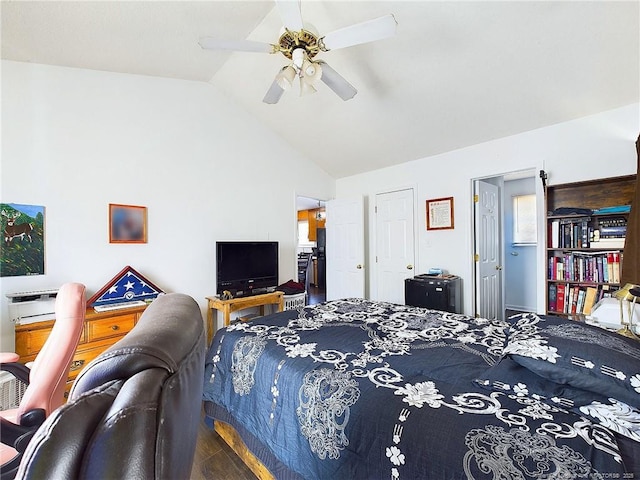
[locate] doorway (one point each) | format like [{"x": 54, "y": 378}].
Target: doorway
[
  {"x": 498, "y": 259},
  {"x": 311, "y": 247}
]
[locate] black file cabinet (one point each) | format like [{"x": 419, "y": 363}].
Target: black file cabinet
[{"x": 438, "y": 292}]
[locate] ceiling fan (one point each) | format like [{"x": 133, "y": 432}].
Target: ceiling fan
[{"x": 300, "y": 43}]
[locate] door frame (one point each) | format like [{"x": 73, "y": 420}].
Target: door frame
[
  {"x": 296, "y": 204},
  {"x": 541, "y": 235}
]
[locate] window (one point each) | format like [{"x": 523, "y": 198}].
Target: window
[
  {"x": 303, "y": 234},
  {"x": 524, "y": 220}
]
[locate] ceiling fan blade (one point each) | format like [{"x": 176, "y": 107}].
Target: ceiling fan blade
[
  {"x": 210, "y": 43},
  {"x": 336, "y": 82},
  {"x": 290, "y": 14},
  {"x": 275, "y": 91},
  {"x": 369, "y": 31}
]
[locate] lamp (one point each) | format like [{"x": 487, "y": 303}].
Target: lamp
[
  {"x": 629, "y": 293},
  {"x": 306, "y": 87},
  {"x": 285, "y": 77},
  {"x": 310, "y": 75}
]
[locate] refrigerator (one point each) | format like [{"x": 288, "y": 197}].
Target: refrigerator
[{"x": 321, "y": 244}]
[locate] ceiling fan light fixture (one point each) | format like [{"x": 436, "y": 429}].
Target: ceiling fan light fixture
[
  {"x": 285, "y": 77},
  {"x": 306, "y": 87},
  {"x": 312, "y": 72},
  {"x": 300, "y": 42},
  {"x": 299, "y": 55}
]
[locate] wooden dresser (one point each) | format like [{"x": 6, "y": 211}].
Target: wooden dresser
[{"x": 101, "y": 330}]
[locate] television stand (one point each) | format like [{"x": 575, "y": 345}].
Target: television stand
[{"x": 239, "y": 303}]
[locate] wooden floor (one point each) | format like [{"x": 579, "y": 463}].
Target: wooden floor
[
  {"x": 214, "y": 459},
  {"x": 316, "y": 295}
]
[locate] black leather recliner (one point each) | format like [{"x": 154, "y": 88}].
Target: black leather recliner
[{"x": 134, "y": 411}]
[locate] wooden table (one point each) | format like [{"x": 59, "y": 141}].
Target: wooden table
[{"x": 240, "y": 303}]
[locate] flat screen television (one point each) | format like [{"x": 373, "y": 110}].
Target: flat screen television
[{"x": 246, "y": 268}]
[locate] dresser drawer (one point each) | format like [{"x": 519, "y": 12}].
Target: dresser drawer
[
  {"x": 30, "y": 341},
  {"x": 110, "y": 327},
  {"x": 87, "y": 352}
]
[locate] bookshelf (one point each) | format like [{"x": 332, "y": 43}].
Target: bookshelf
[{"x": 585, "y": 242}]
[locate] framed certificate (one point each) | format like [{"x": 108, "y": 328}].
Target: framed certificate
[{"x": 440, "y": 213}]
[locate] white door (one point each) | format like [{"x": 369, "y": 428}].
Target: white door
[
  {"x": 488, "y": 252},
  {"x": 395, "y": 247},
  {"x": 345, "y": 255}
]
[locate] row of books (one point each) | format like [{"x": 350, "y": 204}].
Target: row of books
[
  {"x": 600, "y": 267},
  {"x": 580, "y": 233},
  {"x": 574, "y": 299},
  {"x": 570, "y": 233}
]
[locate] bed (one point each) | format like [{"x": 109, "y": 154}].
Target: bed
[{"x": 356, "y": 389}]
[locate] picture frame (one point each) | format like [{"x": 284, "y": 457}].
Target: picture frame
[
  {"x": 127, "y": 223},
  {"x": 440, "y": 214}
]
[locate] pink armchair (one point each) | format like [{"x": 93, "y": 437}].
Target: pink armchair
[{"x": 46, "y": 379}]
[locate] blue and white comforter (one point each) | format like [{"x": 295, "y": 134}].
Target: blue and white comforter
[{"x": 354, "y": 389}]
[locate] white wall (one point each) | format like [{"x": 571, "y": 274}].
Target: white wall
[
  {"x": 597, "y": 146},
  {"x": 76, "y": 140}
]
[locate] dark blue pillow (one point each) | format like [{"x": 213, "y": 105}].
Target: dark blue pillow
[
  {"x": 517, "y": 381},
  {"x": 577, "y": 354}
]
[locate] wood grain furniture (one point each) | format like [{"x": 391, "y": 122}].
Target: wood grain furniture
[
  {"x": 101, "y": 330},
  {"x": 578, "y": 254},
  {"x": 240, "y": 303}
]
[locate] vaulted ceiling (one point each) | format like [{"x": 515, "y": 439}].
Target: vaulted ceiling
[{"x": 455, "y": 74}]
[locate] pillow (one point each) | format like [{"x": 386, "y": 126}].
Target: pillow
[
  {"x": 577, "y": 354},
  {"x": 513, "y": 379}
]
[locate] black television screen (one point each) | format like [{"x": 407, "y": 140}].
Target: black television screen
[{"x": 244, "y": 268}]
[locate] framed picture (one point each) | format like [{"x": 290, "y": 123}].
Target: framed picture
[
  {"x": 440, "y": 213},
  {"x": 22, "y": 245},
  {"x": 127, "y": 224}
]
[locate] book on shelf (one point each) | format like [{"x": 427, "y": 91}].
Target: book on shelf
[
  {"x": 616, "y": 267},
  {"x": 613, "y": 209},
  {"x": 590, "y": 297},
  {"x": 612, "y": 222},
  {"x": 575, "y": 293},
  {"x": 612, "y": 232},
  {"x": 585, "y": 266},
  {"x": 575, "y": 299},
  {"x": 585, "y": 232},
  {"x": 553, "y": 290},
  {"x": 610, "y": 277},
  {"x": 608, "y": 243},
  {"x": 580, "y": 305},
  {"x": 555, "y": 233},
  {"x": 560, "y": 297}
]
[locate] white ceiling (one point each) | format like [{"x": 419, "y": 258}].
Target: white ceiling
[{"x": 456, "y": 73}]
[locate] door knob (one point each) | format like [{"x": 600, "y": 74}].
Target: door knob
[
  {"x": 359, "y": 267},
  {"x": 498, "y": 267},
  {"x": 409, "y": 267}
]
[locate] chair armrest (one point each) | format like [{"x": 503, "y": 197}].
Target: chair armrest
[
  {"x": 9, "y": 357},
  {"x": 18, "y": 436},
  {"x": 18, "y": 370}
]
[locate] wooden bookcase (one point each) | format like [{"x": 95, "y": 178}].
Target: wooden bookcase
[{"x": 581, "y": 267}]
